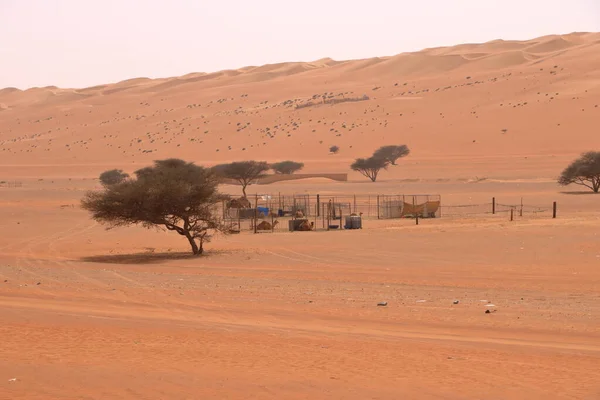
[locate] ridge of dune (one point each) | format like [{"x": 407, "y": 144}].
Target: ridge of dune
[
  {"x": 511, "y": 100},
  {"x": 546, "y": 44}
]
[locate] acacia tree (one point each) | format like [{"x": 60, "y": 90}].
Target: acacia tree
[
  {"x": 369, "y": 167},
  {"x": 287, "y": 167},
  {"x": 243, "y": 172},
  {"x": 392, "y": 153},
  {"x": 334, "y": 149},
  {"x": 174, "y": 194},
  {"x": 584, "y": 171},
  {"x": 112, "y": 177}
]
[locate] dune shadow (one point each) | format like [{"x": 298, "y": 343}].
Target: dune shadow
[
  {"x": 139, "y": 258},
  {"x": 580, "y": 192}
]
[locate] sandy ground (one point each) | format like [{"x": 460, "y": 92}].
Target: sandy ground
[
  {"x": 95, "y": 314},
  {"x": 127, "y": 314}
]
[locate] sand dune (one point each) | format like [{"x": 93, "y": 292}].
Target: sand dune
[
  {"x": 128, "y": 314},
  {"x": 498, "y": 99}
]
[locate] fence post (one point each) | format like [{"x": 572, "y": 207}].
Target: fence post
[
  {"x": 521, "y": 210},
  {"x": 417, "y": 219},
  {"x": 318, "y": 205},
  {"x": 377, "y": 206},
  {"x": 512, "y": 211},
  {"x": 328, "y": 214},
  {"x": 554, "y": 210},
  {"x": 354, "y": 210},
  {"x": 493, "y": 205},
  {"x": 255, "y": 211},
  {"x": 272, "y": 223}
]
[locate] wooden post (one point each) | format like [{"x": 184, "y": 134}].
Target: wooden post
[
  {"x": 493, "y": 205},
  {"x": 554, "y": 210},
  {"x": 272, "y": 223},
  {"x": 377, "y": 206},
  {"x": 318, "y": 204},
  {"x": 341, "y": 218},
  {"x": 354, "y": 209},
  {"x": 417, "y": 219},
  {"x": 521, "y": 210},
  {"x": 415, "y": 210},
  {"x": 328, "y": 214},
  {"x": 255, "y": 211},
  {"x": 512, "y": 211}
]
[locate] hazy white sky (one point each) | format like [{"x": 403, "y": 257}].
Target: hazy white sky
[{"x": 77, "y": 43}]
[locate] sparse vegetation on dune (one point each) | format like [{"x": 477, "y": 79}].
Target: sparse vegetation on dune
[{"x": 331, "y": 101}]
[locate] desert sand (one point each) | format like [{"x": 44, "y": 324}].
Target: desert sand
[{"x": 127, "y": 314}]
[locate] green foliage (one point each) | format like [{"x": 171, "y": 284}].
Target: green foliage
[
  {"x": 243, "y": 172},
  {"x": 392, "y": 153},
  {"x": 369, "y": 167},
  {"x": 113, "y": 177},
  {"x": 286, "y": 167},
  {"x": 584, "y": 171},
  {"x": 174, "y": 194}
]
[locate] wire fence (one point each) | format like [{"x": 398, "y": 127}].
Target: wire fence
[{"x": 270, "y": 213}]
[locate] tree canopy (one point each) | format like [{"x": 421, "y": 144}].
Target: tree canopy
[
  {"x": 243, "y": 172},
  {"x": 287, "y": 167},
  {"x": 334, "y": 149},
  {"x": 392, "y": 153},
  {"x": 369, "y": 167},
  {"x": 174, "y": 194},
  {"x": 113, "y": 177},
  {"x": 584, "y": 171}
]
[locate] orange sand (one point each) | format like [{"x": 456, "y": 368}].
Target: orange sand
[{"x": 128, "y": 314}]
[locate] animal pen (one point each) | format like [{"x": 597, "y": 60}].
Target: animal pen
[
  {"x": 313, "y": 212},
  {"x": 267, "y": 213}
]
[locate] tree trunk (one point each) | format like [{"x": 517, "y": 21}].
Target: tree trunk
[
  {"x": 201, "y": 246},
  {"x": 195, "y": 249},
  {"x": 244, "y": 190}
]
